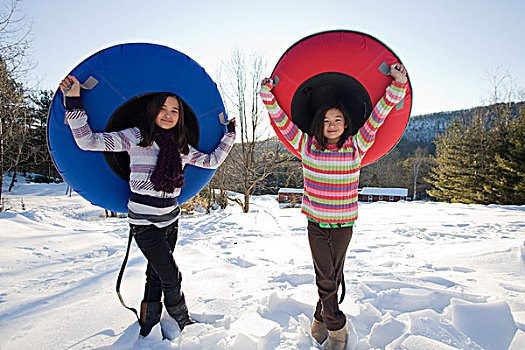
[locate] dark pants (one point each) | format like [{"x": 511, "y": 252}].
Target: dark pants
[
  {"x": 328, "y": 246},
  {"x": 162, "y": 273}
]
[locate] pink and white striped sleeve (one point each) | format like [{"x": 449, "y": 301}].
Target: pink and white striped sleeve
[
  {"x": 87, "y": 140},
  {"x": 215, "y": 158},
  {"x": 290, "y": 131}
]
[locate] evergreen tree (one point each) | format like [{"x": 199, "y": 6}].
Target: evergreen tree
[
  {"x": 292, "y": 181},
  {"x": 506, "y": 181},
  {"x": 13, "y": 116},
  {"x": 482, "y": 160},
  {"x": 41, "y": 162},
  {"x": 461, "y": 162}
]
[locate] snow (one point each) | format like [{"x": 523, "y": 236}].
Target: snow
[
  {"x": 384, "y": 191},
  {"x": 490, "y": 325},
  {"x": 290, "y": 190},
  {"x": 419, "y": 275}
]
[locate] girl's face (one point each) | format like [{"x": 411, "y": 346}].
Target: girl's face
[
  {"x": 169, "y": 114},
  {"x": 334, "y": 125}
]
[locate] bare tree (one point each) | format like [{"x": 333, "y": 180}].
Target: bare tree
[
  {"x": 503, "y": 87},
  {"x": 386, "y": 172},
  {"x": 254, "y": 157},
  {"x": 14, "y": 43},
  {"x": 503, "y": 92},
  {"x": 15, "y": 30},
  {"x": 417, "y": 165},
  {"x": 15, "y": 124}
]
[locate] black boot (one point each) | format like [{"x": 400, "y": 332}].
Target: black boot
[
  {"x": 149, "y": 316},
  {"x": 180, "y": 313}
]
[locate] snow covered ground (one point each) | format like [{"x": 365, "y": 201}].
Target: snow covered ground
[{"x": 419, "y": 275}]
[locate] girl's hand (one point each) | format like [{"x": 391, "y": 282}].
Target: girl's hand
[
  {"x": 231, "y": 126},
  {"x": 266, "y": 81},
  {"x": 399, "y": 73},
  {"x": 70, "y": 86}
]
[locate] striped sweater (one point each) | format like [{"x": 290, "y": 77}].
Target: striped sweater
[
  {"x": 146, "y": 206},
  {"x": 331, "y": 175}
]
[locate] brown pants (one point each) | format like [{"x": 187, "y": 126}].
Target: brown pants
[{"x": 328, "y": 246}]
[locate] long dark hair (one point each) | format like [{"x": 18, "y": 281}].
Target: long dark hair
[
  {"x": 317, "y": 125},
  {"x": 147, "y": 127}
]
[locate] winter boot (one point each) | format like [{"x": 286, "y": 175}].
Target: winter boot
[
  {"x": 336, "y": 339},
  {"x": 149, "y": 316},
  {"x": 180, "y": 313},
  {"x": 319, "y": 331}
]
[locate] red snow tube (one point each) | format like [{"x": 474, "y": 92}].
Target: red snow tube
[{"x": 342, "y": 65}]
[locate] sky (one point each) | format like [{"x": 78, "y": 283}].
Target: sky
[{"x": 450, "y": 48}]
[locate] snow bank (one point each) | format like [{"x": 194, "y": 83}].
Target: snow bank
[{"x": 491, "y": 325}]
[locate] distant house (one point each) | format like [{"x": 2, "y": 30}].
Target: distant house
[
  {"x": 374, "y": 194},
  {"x": 291, "y": 196}
]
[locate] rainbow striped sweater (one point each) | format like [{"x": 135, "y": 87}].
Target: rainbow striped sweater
[{"x": 331, "y": 175}]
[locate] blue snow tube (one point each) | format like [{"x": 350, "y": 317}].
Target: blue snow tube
[{"x": 123, "y": 77}]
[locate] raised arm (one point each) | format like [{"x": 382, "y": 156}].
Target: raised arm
[
  {"x": 85, "y": 138},
  {"x": 215, "y": 158},
  {"x": 285, "y": 126},
  {"x": 365, "y": 136}
]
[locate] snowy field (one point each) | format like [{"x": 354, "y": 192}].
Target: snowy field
[{"x": 419, "y": 275}]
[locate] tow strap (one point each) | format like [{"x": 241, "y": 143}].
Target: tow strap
[
  {"x": 343, "y": 288},
  {"x": 121, "y": 274}
]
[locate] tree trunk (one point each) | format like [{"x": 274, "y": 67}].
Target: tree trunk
[
  {"x": 417, "y": 164},
  {"x": 246, "y": 206},
  {"x": 12, "y": 180},
  {"x": 1, "y": 161},
  {"x": 1, "y": 182}
]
